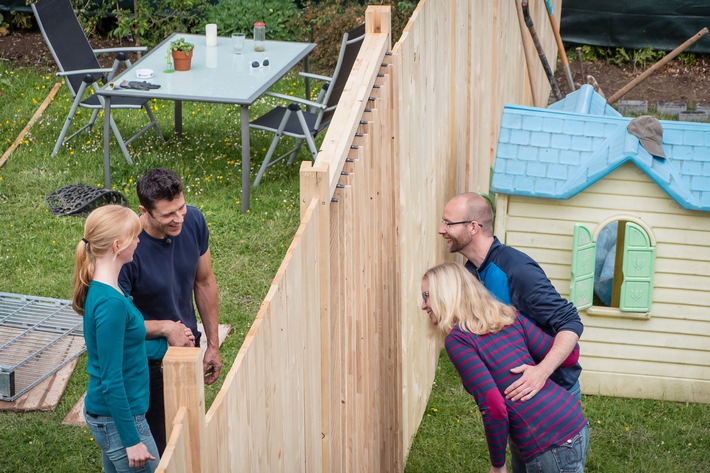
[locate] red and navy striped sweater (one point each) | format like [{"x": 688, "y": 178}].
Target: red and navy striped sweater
[{"x": 484, "y": 361}]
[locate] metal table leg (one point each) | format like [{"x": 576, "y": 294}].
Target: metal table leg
[
  {"x": 246, "y": 178},
  {"x": 178, "y": 117},
  {"x": 107, "y": 143},
  {"x": 307, "y": 67}
]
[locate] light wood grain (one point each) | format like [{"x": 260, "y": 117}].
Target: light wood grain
[{"x": 359, "y": 357}]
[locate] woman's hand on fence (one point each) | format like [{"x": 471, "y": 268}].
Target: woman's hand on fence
[{"x": 137, "y": 455}]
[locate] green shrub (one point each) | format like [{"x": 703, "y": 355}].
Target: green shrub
[
  {"x": 688, "y": 59},
  {"x": 151, "y": 21},
  {"x": 234, "y": 16},
  {"x": 639, "y": 58},
  {"x": 324, "y": 23},
  {"x": 4, "y": 26},
  {"x": 21, "y": 20}
]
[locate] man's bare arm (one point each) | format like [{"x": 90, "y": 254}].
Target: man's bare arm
[
  {"x": 174, "y": 332},
  {"x": 208, "y": 307}
]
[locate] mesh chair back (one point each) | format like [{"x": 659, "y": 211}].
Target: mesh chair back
[
  {"x": 66, "y": 40},
  {"x": 349, "y": 49}
]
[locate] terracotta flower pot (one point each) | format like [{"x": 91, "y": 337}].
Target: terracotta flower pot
[{"x": 182, "y": 60}]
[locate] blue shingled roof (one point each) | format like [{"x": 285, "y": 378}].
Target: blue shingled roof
[
  {"x": 585, "y": 100},
  {"x": 556, "y": 154}
]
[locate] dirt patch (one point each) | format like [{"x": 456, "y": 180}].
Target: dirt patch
[
  {"x": 676, "y": 82},
  {"x": 28, "y": 49}
]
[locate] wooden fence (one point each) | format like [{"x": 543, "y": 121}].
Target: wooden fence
[{"x": 335, "y": 372}]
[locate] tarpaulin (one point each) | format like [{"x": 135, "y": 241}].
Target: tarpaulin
[{"x": 635, "y": 24}]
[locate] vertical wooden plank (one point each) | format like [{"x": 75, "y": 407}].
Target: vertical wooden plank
[
  {"x": 276, "y": 358},
  {"x": 335, "y": 369},
  {"x": 239, "y": 423},
  {"x": 309, "y": 346},
  {"x": 348, "y": 289},
  {"x": 174, "y": 459}
]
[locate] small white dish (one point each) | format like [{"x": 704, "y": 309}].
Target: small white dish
[{"x": 144, "y": 73}]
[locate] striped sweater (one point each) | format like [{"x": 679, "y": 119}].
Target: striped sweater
[{"x": 484, "y": 362}]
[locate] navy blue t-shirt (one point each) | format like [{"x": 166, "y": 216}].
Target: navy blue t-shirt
[{"x": 161, "y": 277}]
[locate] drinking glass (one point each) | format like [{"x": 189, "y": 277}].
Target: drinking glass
[{"x": 238, "y": 42}]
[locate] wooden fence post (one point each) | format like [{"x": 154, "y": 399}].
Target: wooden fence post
[
  {"x": 184, "y": 387},
  {"x": 315, "y": 185}
]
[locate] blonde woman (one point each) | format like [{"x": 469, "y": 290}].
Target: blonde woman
[
  {"x": 485, "y": 339},
  {"x": 117, "y": 396}
]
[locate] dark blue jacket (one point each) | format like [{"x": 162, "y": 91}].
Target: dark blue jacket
[{"x": 516, "y": 279}]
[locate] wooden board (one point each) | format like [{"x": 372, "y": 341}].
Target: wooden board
[
  {"x": 46, "y": 395},
  {"x": 76, "y": 415}
]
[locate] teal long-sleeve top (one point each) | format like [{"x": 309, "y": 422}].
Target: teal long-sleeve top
[{"x": 118, "y": 355}]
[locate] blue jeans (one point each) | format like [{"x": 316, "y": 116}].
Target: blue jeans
[
  {"x": 113, "y": 453},
  {"x": 516, "y": 459},
  {"x": 567, "y": 458}
]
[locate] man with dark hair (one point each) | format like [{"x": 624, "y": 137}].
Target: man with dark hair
[
  {"x": 516, "y": 279},
  {"x": 171, "y": 265}
]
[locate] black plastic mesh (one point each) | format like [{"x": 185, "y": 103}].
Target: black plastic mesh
[{"x": 80, "y": 199}]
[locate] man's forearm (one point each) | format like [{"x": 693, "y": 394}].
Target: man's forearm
[
  {"x": 208, "y": 308},
  {"x": 563, "y": 345},
  {"x": 158, "y": 328}
]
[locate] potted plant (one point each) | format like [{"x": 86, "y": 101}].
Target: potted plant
[{"x": 181, "y": 50}]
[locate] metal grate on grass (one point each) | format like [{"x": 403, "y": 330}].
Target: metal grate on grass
[{"x": 38, "y": 336}]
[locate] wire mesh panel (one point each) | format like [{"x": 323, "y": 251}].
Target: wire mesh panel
[{"x": 38, "y": 336}]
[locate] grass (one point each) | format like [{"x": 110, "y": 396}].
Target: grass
[{"x": 36, "y": 251}]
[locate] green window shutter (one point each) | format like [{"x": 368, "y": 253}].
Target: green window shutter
[
  {"x": 639, "y": 258},
  {"x": 581, "y": 291}
]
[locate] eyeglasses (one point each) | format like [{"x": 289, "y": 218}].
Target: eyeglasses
[
  {"x": 448, "y": 224},
  {"x": 257, "y": 64},
  {"x": 425, "y": 295}
]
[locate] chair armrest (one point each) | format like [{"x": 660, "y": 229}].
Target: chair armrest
[
  {"x": 83, "y": 71},
  {"x": 131, "y": 49},
  {"x": 315, "y": 76},
  {"x": 291, "y": 98}
]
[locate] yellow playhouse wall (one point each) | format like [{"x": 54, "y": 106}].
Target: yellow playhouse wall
[{"x": 666, "y": 356}]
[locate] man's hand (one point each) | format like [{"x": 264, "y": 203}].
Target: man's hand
[
  {"x": 211, "y": 364},
  {"x": 177, "y": 335},
  {"x": 529, "y": 384}
]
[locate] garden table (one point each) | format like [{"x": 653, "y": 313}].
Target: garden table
[{"x": 217, "y": 75}]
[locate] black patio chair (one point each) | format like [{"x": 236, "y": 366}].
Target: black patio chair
[
  {"x": 305, "y": 124},
  {"x": 80, "y": 68}
]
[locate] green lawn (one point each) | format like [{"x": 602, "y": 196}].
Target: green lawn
[{"x": 36, "y": 250}]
